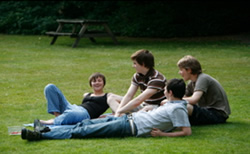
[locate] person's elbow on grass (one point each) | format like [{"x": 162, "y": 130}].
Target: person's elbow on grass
[{"x": 185, "y": 131}]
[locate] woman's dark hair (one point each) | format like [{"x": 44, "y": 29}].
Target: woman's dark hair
[{"x": 95, "y": 76}]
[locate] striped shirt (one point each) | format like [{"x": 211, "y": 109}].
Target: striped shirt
[{"x": 152, "y": 80}]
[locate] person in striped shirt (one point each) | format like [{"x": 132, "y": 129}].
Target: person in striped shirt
[{"x": 150, "y": 81}]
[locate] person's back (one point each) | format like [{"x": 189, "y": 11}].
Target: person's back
[
  {"x": 214, "y": 94},
  {"x": 172, "y": 113}
]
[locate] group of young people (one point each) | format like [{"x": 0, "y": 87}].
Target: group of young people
[{"x": 163, "y": 108}]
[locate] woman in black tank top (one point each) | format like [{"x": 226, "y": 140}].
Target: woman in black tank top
[{"x": 93, "y": 105}]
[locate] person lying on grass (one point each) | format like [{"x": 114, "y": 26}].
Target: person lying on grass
[
  {"x": 93, "y": 104},
  {"x": 170, "y": 119}
]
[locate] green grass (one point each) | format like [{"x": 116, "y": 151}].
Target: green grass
[{"x": 28, "y": 63}]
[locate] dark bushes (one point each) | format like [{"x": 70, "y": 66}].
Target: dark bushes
[{"x": 129, "y": 18}]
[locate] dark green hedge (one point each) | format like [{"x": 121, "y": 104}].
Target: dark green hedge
[{"x": 129, "y": 18}]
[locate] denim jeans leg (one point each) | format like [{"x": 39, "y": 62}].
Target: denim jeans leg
[
  {"x": 72, "y": 116},
  {"x": 107, "y": 127},
  {"x": 96, "y": 121},
  {"x": 55, "y": 99},
  {"x": 58, "y": 132},
  {"x": 65, "y": 131}
]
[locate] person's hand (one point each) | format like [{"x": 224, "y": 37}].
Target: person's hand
[
  {"x": 56, "y": 114},
  {"x": 117, "y": 114},
  {"x": 155, "y": 132},
  {"x": 164, "y": 102}
]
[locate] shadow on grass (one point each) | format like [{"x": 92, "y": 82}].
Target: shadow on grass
[{"x": 172, "y": 42}]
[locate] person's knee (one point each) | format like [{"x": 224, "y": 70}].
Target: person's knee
[
  {"x": 64, "y": 118},
  {"x": 114, "y": 98},
  {"x": 49, "y": 87},
  {"x": 72, "y": 117},
  {"x": 110, "y": 98}
]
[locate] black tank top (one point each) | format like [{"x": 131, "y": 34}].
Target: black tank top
[{"x": 95, "y": 105}]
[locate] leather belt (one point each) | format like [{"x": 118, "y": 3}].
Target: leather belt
[
  {"x": 146, "y": 104},
  {"x": 132, "y": 124}
]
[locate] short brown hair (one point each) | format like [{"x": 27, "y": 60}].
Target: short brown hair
[
  {"x": 96, "y": 75},
  {"x": 177, "y": 86},
  {"x": 190, "y": 62},
  {"x": 144, "y": 57}
]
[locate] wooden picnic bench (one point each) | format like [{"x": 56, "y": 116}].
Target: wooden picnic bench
[{"x": 83, "y": 32}]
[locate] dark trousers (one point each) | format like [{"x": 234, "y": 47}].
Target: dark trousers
[{"x": 203, "y": 116}]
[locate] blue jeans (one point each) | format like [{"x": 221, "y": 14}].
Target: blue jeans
[
  {"x": 102, "y": 127},
  {"x": 70, "y": 114}
]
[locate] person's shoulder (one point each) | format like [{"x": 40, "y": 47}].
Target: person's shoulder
[
  {"x": 180, "y": 104},
  {"x": 204, "y": 75},
  {"x": 156, "y": 71},
  {"x": 207, "y": 77},
  {"x": 159, "y": 75},
  {"x": 109, "y": 94},
  {"x": 173, "y": 107},
  {"x": 135, "y": 75},
  {"x": 86, "y": 94}
]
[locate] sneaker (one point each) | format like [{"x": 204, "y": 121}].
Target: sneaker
[
  {"x": 23, "y": 134},
  {"x": 39, "y": 127},
  {"x": 30, "y": 135}
]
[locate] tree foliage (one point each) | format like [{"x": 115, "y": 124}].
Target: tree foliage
[{"x": 129, "y": 18}]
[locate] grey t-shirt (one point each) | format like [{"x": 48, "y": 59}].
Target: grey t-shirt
[
  {"x": 166, "y": 118},
  {"x": 214, "y": 96}
]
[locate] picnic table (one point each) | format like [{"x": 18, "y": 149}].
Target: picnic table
[{"x": 83, "y": 31}]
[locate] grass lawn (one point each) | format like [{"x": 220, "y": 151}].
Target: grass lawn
[{"x": 28, "y": 63}]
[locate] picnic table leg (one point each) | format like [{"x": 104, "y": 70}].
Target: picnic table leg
[
  {"x": 82, "y": 31},
  {"x": 53, "y": 40},
  {"x": 59, "y": 28},
  {"x": 110, "y": 33},
  {"x": 92, "y": 39}
]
